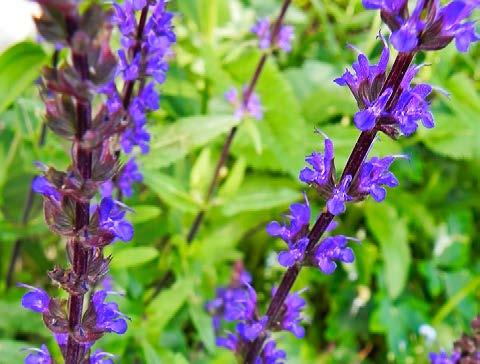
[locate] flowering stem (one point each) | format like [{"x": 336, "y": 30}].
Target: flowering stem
[
  {"x": 83, "y": 161},
  {"x": 228, "y": 142},
  {"x": 354, "y": 163}
]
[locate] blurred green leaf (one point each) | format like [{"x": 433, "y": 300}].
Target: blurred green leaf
[
  {"x": 19, "y": 67},
  {"x": 203, "y": 324},
  {"x": 133, "y": 257}
]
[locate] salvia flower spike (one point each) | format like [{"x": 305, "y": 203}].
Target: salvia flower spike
[
  {"x": 70, "y": 96},
  {"x": 388, "y": 103}
]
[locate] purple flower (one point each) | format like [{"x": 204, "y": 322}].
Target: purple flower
[
  {"x": 111, "y": 218},
  {"x": 42, "y": 185},
  {"x": 366, "y": 119},
  {"x": 129, "y": 175},
  {"x": 322, "y": 169},
  {"x": 263, "y": 30},
  {"x": 299, "y": 220},
  {"x": 230, "y": 342},
  {"x": 114, "y": 101},
  {"x": 137, "y": 135},
  {"x": 101, "y": 357},
  {"x": 330, "y": 250},
  {"x": 431, "y": 31},
  {"x": 270, "y": 354},
  {"x": 249, "y": 331},
  {"x": 336, "y": 203},
  {"x": 124, "y": 18},
  {"x": 411, "y": 107},
  {"x": 36, "y": 299},
  {"x": 108, "y": 316},
  {"x": 290, "y": 319},
  {"x": 252, "y": 109},
  {"x": 375, "y": 174},
  {"x": 106, "y": 189},
  {"x": 444, "y": 358},
  {"x": 368, "y": 80},
  {"x": 129, "y": 68},
  {"x": 38, "y": 356}
]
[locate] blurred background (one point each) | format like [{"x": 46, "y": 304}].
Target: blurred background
[{"x": 415, "y": 284}]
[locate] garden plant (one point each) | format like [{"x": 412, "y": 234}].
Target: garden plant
[{"x": 246, "y": 181}]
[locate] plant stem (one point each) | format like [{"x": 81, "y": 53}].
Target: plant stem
[
  {"x": 229, "y": 140},
  {"x": 27, "y": 208},
  {"x": 83, "y": 160},
  {"x": 354, "y": 163}
]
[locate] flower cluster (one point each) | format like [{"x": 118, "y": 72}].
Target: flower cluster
[
  {"x": 236, "y": 305},
  {"x": 413, "y": 31},
  {"x": 368, "y": 87},
  {"x": 444, "y": 358},
  {"x": 100, "y": 318},
  {"x": 283, "y": 40}
]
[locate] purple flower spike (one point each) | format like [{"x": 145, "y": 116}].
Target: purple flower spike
[
  {"x": 336, "y": 203},
  {"x": 444, "y": 358},
  {"x": 330, "y": 250},
  {"x": 36, "y": 299},
  {"x": 111, "y": 218},
  {"x": 299, "y": 220},
  {"x": 250, "y": 331},
  {"x": 322, "y": 168},
  {"x": 39, "y": 356},
  {"x": 252, "y": 109},
  {"x": 108, "y": 316},
  {"x": 42, "y": 185},
  {"x": 375, "y": 174}
]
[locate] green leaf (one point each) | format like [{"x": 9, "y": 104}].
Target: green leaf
[
  {"x": 168, "y": 189},
  {"x": 234, "y": 179},
  {"x": 133, "y": 257},
  {"x": 12, "y": 351},
  {"x": 203, "y": 324},
  {"x": 19, "y": 67},
  {"x": 391, "y": 232},
  {"x": 259, "y": 194},
  {"x": 164, "y": 307},
  {"x": 201, "y": 173},
  {"x": 144, "y": 213},
  {"x": 172, "y": 142}
]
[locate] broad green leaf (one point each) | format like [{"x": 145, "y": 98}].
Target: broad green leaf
[
  {"x": 174, "y": 141},
  {"x": 169, "y": 191},
  {"x": 133, "y": 257},
  {"x": 19, "y": 67},
  {"x": 259, "y": 194},
  {"x": 391, "y": 232},
  {"x": 144, "y": 213},
  {"x": 165, "y": 306},
  {"x": 201, "y": 173}
]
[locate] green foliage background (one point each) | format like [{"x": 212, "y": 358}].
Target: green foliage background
[{"x": 418, "y": 262}]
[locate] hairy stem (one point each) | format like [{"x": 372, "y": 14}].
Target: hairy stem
[
  {"x": 83, "y": 161},
  {"x": 355, "y": 161},
  {"x": 197, "y": 222}
]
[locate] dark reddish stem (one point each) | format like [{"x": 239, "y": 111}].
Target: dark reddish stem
[
  {"x": 83, "y": 162},
  {"x": 355, "y": 161},
  {"x": 228, "y": 142}
]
